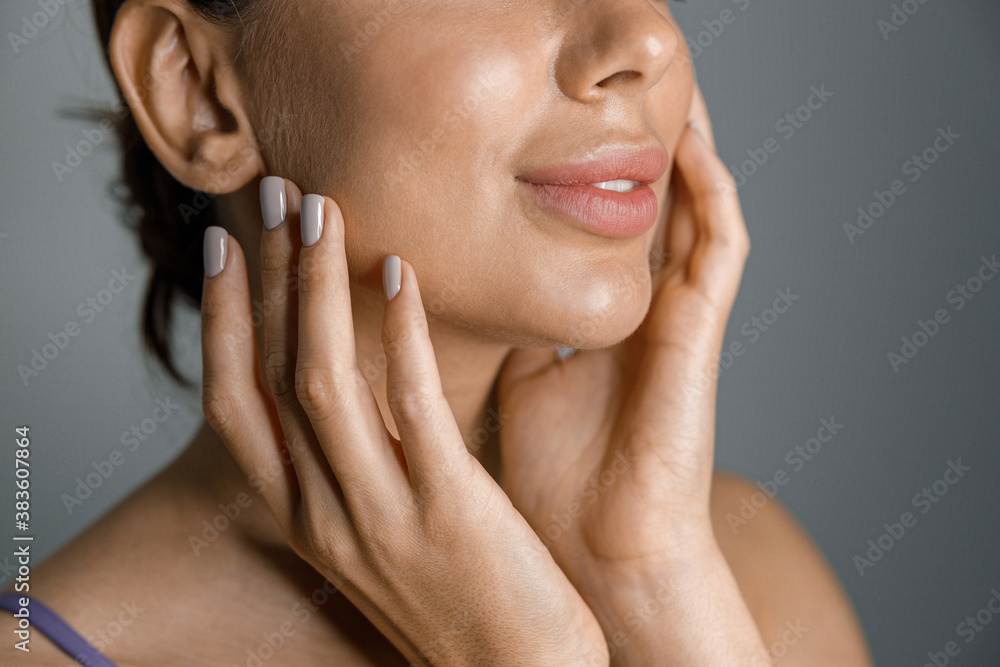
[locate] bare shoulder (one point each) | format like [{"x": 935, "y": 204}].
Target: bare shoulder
[
  {"x": 37, "y": 650},
  {"x": 796, "y": 599},
  {"x": 103, "y": 584},
  {"x": 175, "y": 575}
]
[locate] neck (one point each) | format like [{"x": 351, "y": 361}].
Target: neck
[
  {"x": 469, "y": 367},
  {"x": 468, "y": 364}
]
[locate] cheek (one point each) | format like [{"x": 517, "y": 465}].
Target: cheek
[
  {"x": 423, "y": 165},
  {"x": 454, "y": 106},
  {"x": 417, "y": 144}
]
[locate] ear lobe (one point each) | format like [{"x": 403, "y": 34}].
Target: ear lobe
[{"x": 175, "y": 72}]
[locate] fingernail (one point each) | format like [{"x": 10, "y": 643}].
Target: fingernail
[
  {"x": 312, "y": 219},
  {"x": 214, "y": 250},
  {"x": 273, "y": 204},
  {"x": 392, "y": 276},
  {"x": 565, "y": 352},
  {"x": 697, "y": 128}
]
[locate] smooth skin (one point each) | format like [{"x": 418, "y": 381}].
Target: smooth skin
[
  {"x": 441, "y": 552},
  {"x": 413, "y": 529}
]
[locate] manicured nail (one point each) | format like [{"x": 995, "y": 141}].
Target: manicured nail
[
  {"x": 392, "y": 276},
  {"x": 214, "y": 250},
  {"x": 312, "y": 219},
  {"x": 565, "y": 353},
  {"x": 273, "y": 204},
  {"x": 697, "y": 128}
]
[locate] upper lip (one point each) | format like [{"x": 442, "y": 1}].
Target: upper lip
[{"x": 609, "y": 163}]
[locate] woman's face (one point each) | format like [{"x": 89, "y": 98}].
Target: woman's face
[{"x": 426, "y": 119}]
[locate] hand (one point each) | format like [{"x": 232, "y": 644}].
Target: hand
[
  {"x": 413, "y": 530},
  {"x": 609, "y": 454}
]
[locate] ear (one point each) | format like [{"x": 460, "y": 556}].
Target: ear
[{"x": 176, "y": 71}]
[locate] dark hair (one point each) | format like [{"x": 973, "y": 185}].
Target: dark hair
[{"x": 168, "y": 217}]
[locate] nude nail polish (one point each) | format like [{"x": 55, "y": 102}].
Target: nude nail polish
[
  {"x": 565, "y": 353},
  {"x": 697, "y": 128},
  {"x": 273, "y": 203},
  {"x": 392, "y": 276},
  {"x": 214, "y": 250},
  {"x": 312, "y": 219}
]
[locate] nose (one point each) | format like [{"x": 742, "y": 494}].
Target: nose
[{"x": 614, "y": 47}]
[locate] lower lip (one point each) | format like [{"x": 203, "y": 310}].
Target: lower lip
[{"x": 603, "y": 212}]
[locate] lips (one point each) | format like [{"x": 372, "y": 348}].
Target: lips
[
  {"x": 569, "y": 189},
  {"x": 645, "y": 166}
]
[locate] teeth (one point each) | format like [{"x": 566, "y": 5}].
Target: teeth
[{"x": 617, "y": 186}]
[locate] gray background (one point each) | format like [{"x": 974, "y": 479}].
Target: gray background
[{"x": 825, "y": 357}]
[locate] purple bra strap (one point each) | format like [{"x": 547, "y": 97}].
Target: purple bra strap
[{"x": 52, "y": 626}]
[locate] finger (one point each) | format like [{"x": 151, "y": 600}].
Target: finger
[
  {"x": 329, "y": 384},
  {"x": 698, "y": 115},
  {"x": 681, "y": 232},
  {"x": 280, "y": 201},
  {"x": 688, "y": 341},
  {"x": 720, "y": 252},
  {"x": 680, "y": 235},
  {"x": 432, "y": 442},
  {"x": 672, "y": 245},
  {"x": 279, "y": 255},
  {"x": 235, "y": 406}
]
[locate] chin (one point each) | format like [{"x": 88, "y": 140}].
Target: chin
[
  {"x": 603, "y": 315},
  {"x": 596, "y": 332}
]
